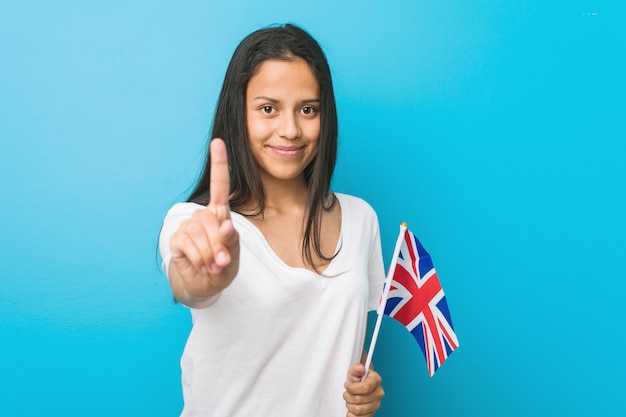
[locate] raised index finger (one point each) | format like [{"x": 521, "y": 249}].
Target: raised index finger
[{"x": 220, "y": 177}]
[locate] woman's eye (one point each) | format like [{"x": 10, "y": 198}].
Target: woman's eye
[
  {"x": 267, "y": 109},
  {"x": 308, "y": 110}
]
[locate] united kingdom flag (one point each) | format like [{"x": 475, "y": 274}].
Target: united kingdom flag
[{"x": 416, "y": 300}]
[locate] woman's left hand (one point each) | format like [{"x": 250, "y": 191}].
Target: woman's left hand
[{"x": 362, "y": 397}]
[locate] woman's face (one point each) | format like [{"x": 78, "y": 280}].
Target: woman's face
[{"x": 283, "y": 119}]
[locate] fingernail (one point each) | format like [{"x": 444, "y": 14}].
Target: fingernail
[{"x": 221, "y": 257}]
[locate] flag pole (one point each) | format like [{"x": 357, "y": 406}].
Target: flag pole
[{"x": 383, "y": 298}]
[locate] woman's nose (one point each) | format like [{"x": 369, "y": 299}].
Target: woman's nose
[{"x": 289, "y": 128}]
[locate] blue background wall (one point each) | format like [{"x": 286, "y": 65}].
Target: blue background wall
[{"x": 496, "y": 129}]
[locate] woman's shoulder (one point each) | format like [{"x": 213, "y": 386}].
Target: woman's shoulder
[
  {"x": 185, "y": 209},
  {"x": 352, "y": 205},
  {"x": 180, "y": 212}
]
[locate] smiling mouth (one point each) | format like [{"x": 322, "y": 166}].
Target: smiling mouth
[{"x": 287, "y": 150}]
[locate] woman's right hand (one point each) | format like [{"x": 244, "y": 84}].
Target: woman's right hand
[{"x": 205, "y": 248}]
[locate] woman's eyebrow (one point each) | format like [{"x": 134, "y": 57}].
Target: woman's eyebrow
[
  {"x": 273, "y": 100},
  {"x": 266, "y": 98}
]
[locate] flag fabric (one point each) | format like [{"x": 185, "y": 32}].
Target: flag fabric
[{"x": 415, "y": 299}]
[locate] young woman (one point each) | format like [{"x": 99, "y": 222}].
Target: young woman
[{"x": 278, "y": 271}]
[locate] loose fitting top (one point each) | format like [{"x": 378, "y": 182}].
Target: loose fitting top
[{"x": 279, "y": 340}]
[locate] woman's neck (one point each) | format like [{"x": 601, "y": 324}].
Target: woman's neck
[{"x": 281, "y": 197}]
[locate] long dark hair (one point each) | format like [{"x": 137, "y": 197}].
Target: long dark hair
[{"x": 284, "y": 43}]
